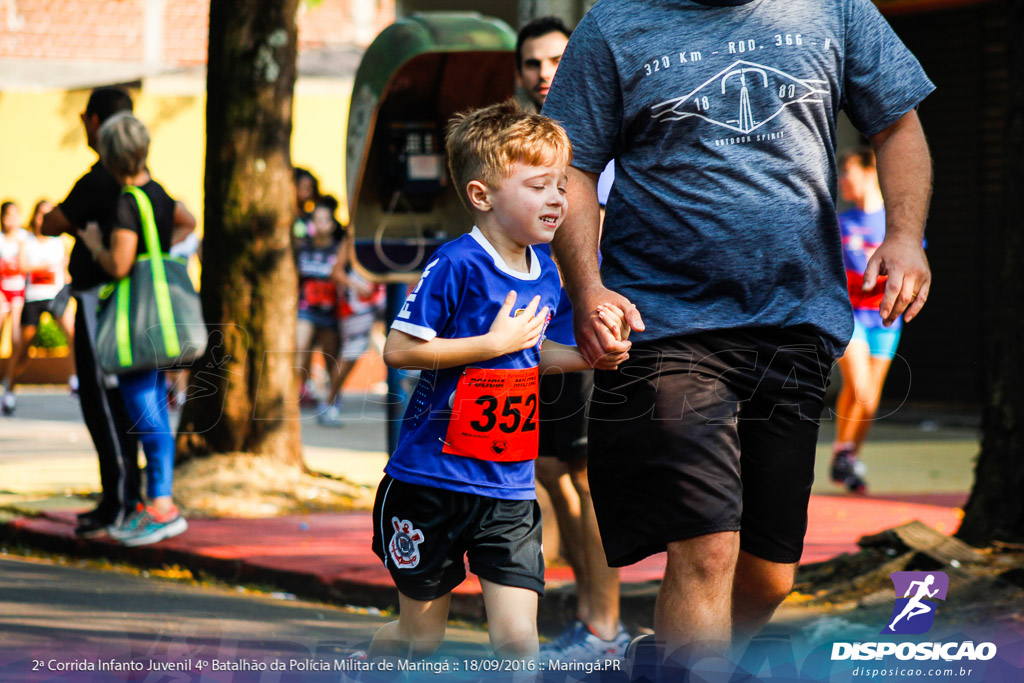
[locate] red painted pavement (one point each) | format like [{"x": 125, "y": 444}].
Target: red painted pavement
[{"x": 334, "y": 549}]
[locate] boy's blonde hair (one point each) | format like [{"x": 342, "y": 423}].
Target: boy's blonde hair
[
  {"x": 124, "y": 145},
  {"x": 484, "y": 144}
]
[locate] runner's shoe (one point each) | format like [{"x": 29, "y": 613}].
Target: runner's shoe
[
  {"x": 95, "y": 523},
  {"x": 330, "y": 416},
  {"x": 307, "y": 395},
  {"x": 583, "y": 645},
  {"x": 570, "y": 634},
  {"x": 128, "y": 524},
  {"x": 643, "y": 660},
  {"x": 97, "y": 511},
  {"x": 849, "y": 471},
  {"x": 9, "y": 403},
  {"x": 146, "y": 526}
]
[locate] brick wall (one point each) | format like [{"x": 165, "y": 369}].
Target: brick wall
[
  {"x": 105, "y": 30},
  {"x": 186, "y": 29},
  {"x": 114, "y": 30}
]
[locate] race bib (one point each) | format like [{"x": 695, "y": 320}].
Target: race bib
[
  {"x": 494, "y": 415},
  {"x": 42, "y": 277},
  {"x": 320, "y": 293}
]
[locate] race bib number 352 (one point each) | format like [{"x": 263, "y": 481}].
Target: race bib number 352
[{"x": 494, "y": 415}]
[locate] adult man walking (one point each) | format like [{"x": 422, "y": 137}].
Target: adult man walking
[
  {"x": 94, "y": 199},
  {"x": 596, "y": 632},
  {"x": 721, "y": 229}
]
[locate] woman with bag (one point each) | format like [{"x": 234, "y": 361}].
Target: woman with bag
[{"x": 148, "y": 223}]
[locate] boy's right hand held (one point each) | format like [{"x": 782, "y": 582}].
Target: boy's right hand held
[
  {"x": 509, "y": 334},
  {"x": 615, "y": 320}
]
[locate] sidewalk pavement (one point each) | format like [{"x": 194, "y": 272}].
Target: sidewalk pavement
[{"x": 916, "y": 471}]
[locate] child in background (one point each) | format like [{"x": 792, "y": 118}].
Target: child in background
[
  {"x": 44, "y": 261},
  {"x": 461, "y": 481},
  {"x": 317, "y": 326},
  {"x": 12, "y": 288}
]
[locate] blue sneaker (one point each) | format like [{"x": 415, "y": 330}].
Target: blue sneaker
[
  {"x": 583, "y": 645},
  {"x": 570, "y": 634},
  {"x": 145, "y": 526}
]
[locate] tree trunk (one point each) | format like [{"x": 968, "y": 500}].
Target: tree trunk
[
  {"x": 995, "y": 510},
  {"x": 242, "y": 392}
]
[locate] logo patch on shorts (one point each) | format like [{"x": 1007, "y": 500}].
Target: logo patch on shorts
[{"x": 405, "y": 544}]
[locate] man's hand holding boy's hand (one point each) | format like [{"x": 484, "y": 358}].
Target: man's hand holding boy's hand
[
  {"x": 510, "y": 334},
  {"x": 615, "y": 320}
]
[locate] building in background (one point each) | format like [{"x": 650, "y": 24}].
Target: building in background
[{"x": 53, "y": 52}]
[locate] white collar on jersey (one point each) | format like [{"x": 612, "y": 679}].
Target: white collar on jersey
[{"x": 499, "y": 262}]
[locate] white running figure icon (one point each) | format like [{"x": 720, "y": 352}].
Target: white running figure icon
[{"x": 915, "y": 606}]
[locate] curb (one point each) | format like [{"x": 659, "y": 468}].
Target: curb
[{"x": 555, "y": 609}]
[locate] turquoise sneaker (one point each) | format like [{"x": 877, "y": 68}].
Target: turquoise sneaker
[{"x": 145, "y": 527}]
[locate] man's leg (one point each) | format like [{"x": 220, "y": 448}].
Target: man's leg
[
  {"x": 419, "y": 630},
  {"x": 553, "y": 475},
  {"x": 759, "y": 587},
  {"x": 778, "y": 430},
  {"x": 106, "y": 419},
  {"x": 693, "y": 609},
  {"x": 664, "y": 455},
  {"x": 511, "y": 619},
  {"x": 599, "y": 594},
  {"x": 563, "y": 401}
]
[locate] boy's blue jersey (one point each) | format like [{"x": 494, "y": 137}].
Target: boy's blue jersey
[
  {"x": 461, "y": 291},
  {"x": 560, "y": 329}
]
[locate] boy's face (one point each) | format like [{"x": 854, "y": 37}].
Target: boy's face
[{"x": 531, "y": 203}]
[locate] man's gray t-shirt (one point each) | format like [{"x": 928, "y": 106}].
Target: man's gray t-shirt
[{"x": 721, "y": 118}]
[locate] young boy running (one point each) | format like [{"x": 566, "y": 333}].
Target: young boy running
[{"x": 460, "y": 482}]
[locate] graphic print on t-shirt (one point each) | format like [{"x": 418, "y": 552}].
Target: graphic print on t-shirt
[
  {"x": 743, "y": 97},
  {"x": 757, "y": 80}
]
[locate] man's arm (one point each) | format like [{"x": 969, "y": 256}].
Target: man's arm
[
  {"x": 56, "y": 223},
  {"x": 575, "y": 247},
  {"x": 905, "y": 176}
]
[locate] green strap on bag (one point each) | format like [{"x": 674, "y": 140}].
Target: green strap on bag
[{"x": 165, "y": 311}]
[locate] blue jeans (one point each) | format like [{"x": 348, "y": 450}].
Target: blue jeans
[{"x": 145, "y": 399}]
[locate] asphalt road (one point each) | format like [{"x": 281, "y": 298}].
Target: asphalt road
[{"x": 58, "y": 621}]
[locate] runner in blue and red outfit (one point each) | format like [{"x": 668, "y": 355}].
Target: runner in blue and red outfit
[
  {"x": 461, "y": 481},
  {"x": 869, "y": 354}
]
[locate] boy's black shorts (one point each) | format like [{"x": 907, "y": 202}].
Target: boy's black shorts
[
  {"x": 422, "y": 534},
  {"x": 706, "y": 433},
  {"x": 563, "y": 414}
]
